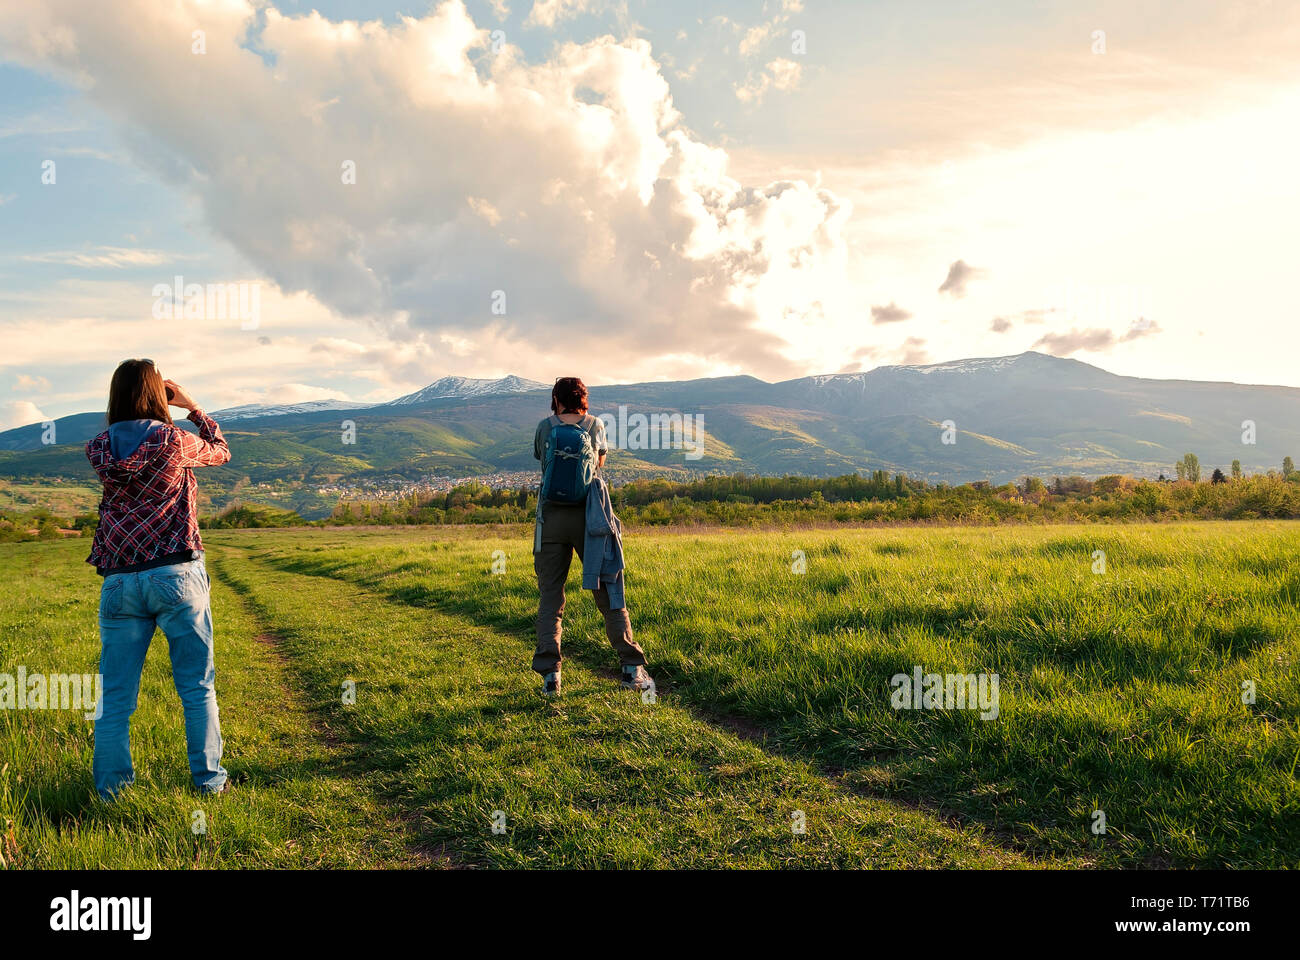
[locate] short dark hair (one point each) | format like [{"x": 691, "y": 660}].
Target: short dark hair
[
  {"x": 569, "y": 393},
  {"x": 137, "y": 393}
]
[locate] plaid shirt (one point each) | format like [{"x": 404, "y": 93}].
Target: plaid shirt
[{"x": 149, "y": 507}]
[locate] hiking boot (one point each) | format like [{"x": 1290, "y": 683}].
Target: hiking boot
[
  {"x": 551, "y": 684},
  {"x": 636, "y": 678}
]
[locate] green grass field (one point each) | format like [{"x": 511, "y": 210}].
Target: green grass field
[
  {"x": 62, "y": 499},
  {"x": 1120, "y": 692}
]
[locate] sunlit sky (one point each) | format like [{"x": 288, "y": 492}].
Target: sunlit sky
[{"x": 641, "y": 191}]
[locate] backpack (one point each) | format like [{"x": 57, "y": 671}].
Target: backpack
[{"x": 568, "y": 462}]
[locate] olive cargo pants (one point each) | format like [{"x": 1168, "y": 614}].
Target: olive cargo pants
[{"x": 564, "y": 530}]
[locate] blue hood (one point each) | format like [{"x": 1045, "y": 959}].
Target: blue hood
[{"x": 125, "y": 436}]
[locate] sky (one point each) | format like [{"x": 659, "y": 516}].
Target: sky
[{"x": 291, "y": 201}]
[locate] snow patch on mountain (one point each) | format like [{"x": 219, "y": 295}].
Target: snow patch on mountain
[
  {"x": 466, "y": 387},
  {"x": 253, "y": 411},
  {"x": 974, "y": 365},
  {"x": 962, "y": 367}
]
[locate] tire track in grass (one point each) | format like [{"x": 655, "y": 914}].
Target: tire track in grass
[
  {"x": 334, "y": 746},
  {"x": 851, "y": 781},
  {"x": 450, "y": 730},
  {"x": 858, "y": 782}
]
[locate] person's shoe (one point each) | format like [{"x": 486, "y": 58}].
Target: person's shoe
[
  {"x": 551, "y": 684},
  {"x": 636, "y": 678}
]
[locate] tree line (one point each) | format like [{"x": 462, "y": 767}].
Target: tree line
[
  {"x": 877, "y": 497},
  {"x": 750, "y": 500}
]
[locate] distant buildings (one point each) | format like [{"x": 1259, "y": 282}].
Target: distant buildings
[{"x": 397, "y": 488}]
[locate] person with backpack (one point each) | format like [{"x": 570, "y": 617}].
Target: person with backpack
[
  {"x": 574, "y": 514},
  {"x": 148, "y": 550}
]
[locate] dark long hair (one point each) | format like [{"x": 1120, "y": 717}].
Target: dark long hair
[
  {"x": 569, "y": 393},
  {"x": 137, "y": 393}
]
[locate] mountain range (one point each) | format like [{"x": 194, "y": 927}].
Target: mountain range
[{"x": 1005, "y": 417}]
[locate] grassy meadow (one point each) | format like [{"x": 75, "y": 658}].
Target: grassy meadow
[{"x": 1120, "y": 691}]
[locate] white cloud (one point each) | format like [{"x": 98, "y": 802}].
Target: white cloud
[
  {"x": 756, "y": 38},
  {"x": 615, "y": 224},
  {"x": 547, "y": 13},
  {"x": 785, "y": 74},
  {"x": 780, "y": 74},
  {"x": 19, "y": 413},
  {"x": 485, "y": 210},
  {"x": 25, "y": 382},
  {"x": 103, "y": 257}
]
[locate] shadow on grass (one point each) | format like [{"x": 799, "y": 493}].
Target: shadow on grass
[
  {"x": 386, "y": 757},
  {"x": 772, "y": 731}
]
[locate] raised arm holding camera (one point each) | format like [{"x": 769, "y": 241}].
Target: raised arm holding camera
[{"x": 148, "y": 550}]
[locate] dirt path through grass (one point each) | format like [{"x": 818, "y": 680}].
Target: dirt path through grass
[
  {"x": 296, "y": 804},
  {"x": 338, "y": 755}
]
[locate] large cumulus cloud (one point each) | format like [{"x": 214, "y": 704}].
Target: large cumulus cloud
[{"x": 572, "y": 184}]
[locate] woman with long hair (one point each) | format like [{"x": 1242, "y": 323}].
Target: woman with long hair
[{"x": 148, "y": 550}]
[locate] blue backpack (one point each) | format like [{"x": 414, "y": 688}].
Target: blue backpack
[{"x": 568, "y": 462}]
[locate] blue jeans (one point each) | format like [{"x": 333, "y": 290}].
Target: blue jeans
[{"x": 174, "y": 598}]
